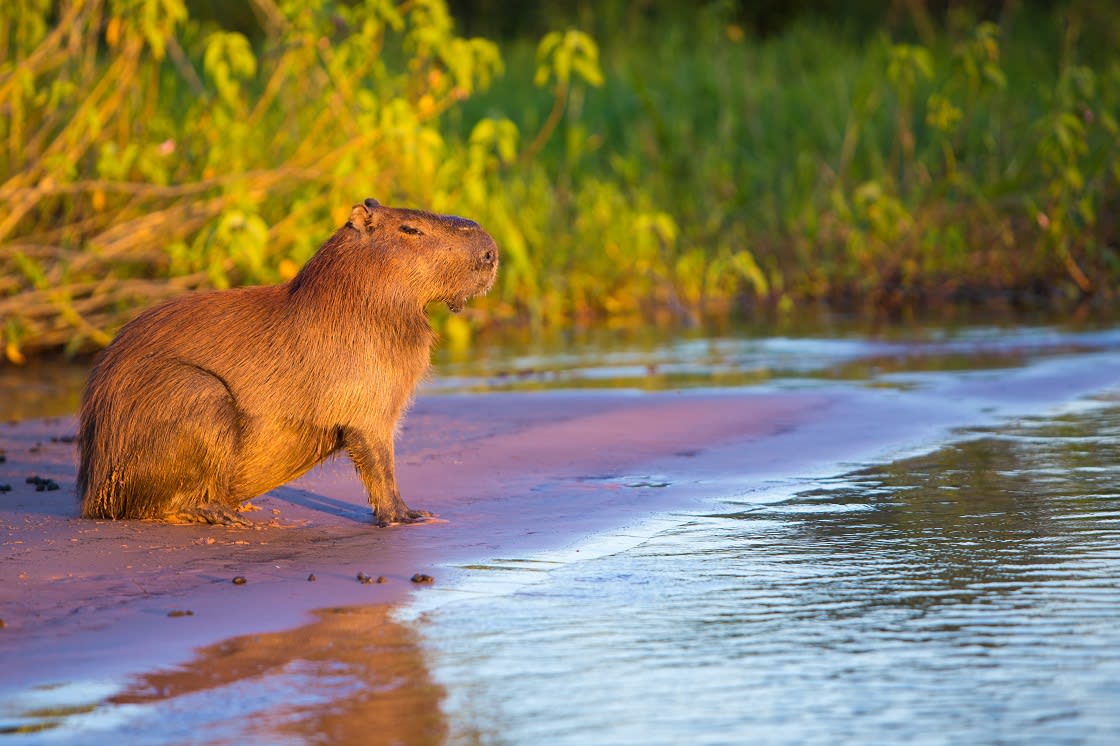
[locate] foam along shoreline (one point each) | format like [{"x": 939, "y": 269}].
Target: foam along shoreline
[{"x": 510, "y": 476}]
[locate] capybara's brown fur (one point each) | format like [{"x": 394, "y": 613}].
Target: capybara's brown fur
[{"x": 213, "y": 398}]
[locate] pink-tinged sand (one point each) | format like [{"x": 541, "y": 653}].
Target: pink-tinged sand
[{"x": 508, "y": 475}]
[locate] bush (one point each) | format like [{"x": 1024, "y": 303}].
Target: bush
[{"x": 690, "y": 170}]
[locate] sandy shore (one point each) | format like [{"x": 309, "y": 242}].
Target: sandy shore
[
  {"x": 507, "y": 474},
  {"x": 504, "y": 473}
]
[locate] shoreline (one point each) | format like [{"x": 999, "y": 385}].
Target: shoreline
[
  {"x": 84, "y": 597},
  {"x": 511, "y": 475}
]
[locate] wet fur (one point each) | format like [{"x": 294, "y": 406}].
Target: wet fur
[{"x": 214, "y": 398}]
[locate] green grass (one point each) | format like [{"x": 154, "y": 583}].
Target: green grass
[
  {"x": 797, "y": 169},
  {"x": 709, "y": 173}
]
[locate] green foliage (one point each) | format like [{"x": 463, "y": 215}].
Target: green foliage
[
  {"x": 561, "y": 54},
  {"x": 667, "y": 171},
  {"x": 149, "y": 154},
  {"x": 228, "y": 60}
]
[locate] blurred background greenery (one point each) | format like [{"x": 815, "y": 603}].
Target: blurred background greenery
[{"x": 639, "y": 162}]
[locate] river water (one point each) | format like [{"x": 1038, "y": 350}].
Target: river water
[
  {"x": 965, "y": 592},
  {"x": 968, "y": 594}
]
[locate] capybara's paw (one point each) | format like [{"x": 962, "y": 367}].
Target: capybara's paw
[
  {"x": 409, "y": 516},
  {"x": 217, "y": 515}
]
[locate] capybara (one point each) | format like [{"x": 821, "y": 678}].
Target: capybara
[{"x": 216, "y": 397}]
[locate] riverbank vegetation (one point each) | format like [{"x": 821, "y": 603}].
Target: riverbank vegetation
[{"x": 636, "y": 163}]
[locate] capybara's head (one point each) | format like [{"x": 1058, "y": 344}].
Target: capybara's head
[{"x": 446, "y": 258}]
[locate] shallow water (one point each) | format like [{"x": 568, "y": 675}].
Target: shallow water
[
  {"x": 966, "y": 595},
  {"x": 969, "y": 595},
  {"x": 743, "y": 358}
]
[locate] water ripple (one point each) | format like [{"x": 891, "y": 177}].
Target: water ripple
[{"x": 965, "y": 596}]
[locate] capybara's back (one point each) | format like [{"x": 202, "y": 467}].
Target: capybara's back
[{"x": 213, "y": 398}]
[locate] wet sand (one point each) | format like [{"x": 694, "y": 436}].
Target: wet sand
[{"x": 507, "y": 474}]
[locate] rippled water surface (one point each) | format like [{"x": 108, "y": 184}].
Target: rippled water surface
[{"x": 970, "y": 595}]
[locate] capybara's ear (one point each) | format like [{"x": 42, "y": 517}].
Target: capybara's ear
[{"x": 361, "y": 217}]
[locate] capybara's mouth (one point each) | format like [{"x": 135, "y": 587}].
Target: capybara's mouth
[{"x": 487, "y": 273}]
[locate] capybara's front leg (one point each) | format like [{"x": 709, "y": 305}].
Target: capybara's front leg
[{"x": 373, "y": 458}]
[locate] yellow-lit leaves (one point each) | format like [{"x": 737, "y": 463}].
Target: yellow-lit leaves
[
  {"x": 156, "y": 20},
  {"x": 743, "y": 264},
  {"x": 879, "y": 211},
  {"x": 473, "y": 63},
  {"x": 941, "y": 114},
  {"x": 28, "y": 20},
  {"x": 562, "y": 53},
  {"x": 244, "y": 238},
  {"x": 660, "y": 225},
  {"x": 492, "y": 137},
  {"x": 978, "y": 58},
  {"x": 908, "y": 62},
  {"x": 228, "y": 60}
]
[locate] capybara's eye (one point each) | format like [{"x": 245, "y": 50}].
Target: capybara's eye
[{"x": 405, "y": 228}]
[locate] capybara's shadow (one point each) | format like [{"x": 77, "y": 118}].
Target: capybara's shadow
[{"x": 323, "y": 504}]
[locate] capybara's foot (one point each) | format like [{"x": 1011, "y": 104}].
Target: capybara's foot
[
  {"x": 212, "y": 513},
  {"x": 410, "y": 516}
]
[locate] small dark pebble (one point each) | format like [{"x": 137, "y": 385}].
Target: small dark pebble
[
  {"x": 240, "y": 580},
  {"x": 63, "y": 438},
  {"x": 311, "y": 578},
  {"x": 42, "y": 483},
  {"x": 5, "y": 488},
  {"x": 364, "y": 579},
  {"x": 35, "y": 448},
  {"x": 180, "y": 612},
  {"x": 422, "y": 578}
]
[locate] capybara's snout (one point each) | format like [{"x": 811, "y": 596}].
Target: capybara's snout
[{"x": 484, "y": 248}]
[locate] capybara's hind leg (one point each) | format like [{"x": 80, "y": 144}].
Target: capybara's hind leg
[
  {"x": 201, "y": 452},
  {"x": 211, "y": 513}
]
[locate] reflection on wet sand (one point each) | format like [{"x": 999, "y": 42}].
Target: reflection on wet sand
[{"x": 352, "y": 676}]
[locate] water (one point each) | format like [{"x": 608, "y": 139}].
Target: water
[
  {"x": 965, "y": 594},
  {"x": 969, "y": 595},
  {"x": 614, "y": 360}
]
